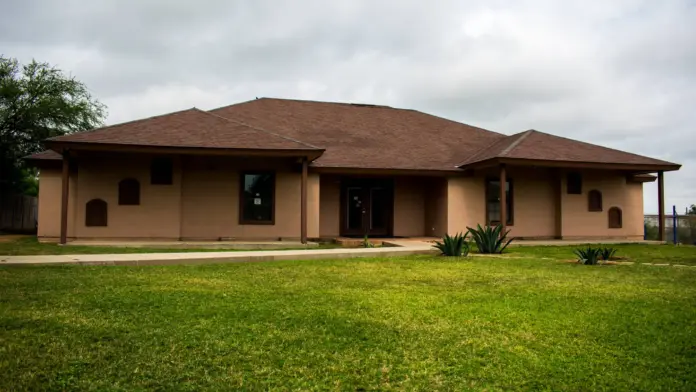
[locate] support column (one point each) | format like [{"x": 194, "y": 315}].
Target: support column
[
  {"x": 503, "y": 200},
  {"x": 303, "y": 203},
  {"x": 558, "y": 203},
  {"x": 661, "y": 204},
  {"x": 64, "y": 198}
]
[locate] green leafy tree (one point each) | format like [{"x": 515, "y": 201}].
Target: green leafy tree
[
  {"x": 691, "y": 210},
  {"x": 38, "y": 101}
]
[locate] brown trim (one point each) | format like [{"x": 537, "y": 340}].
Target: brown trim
[
  {"x": 661, "y": 204},
  {"x": 366, "y": 184},
  {"x": 558, "y": 202},
  {"x": 574, "y": 183},
  {"x": 240, "y": 195},
  {"x": 512, "y": 199},
  {"x": 594, "y": 201},
  {"x": 48, "y": 163},
  {"x": 615, "y": 218},
  {"x": 162, "y": 170},
  {"x": 348, "y": 171},
  {"x": 640, "y": 178},
  {"x": 303, "y": 203},
  {"x": 65, "y": 187},
  {"x": 503, "y": 201},
  {"x": 129, "y": 192},
  {"x": 637, "y": 168},
  {"x": 96, "y": 213},
  {"x": 309, "y": 153}
]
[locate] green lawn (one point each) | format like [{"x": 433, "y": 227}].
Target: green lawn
[
  {"x": 639, "y": 253},
  {"x": 30, "y": 246},
  {"x": 418, "y": 323}
]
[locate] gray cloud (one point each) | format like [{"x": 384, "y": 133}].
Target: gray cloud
[{"x": 617, "y": 73}]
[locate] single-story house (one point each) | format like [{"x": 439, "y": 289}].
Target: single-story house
[{"x": 291, "y": 169}]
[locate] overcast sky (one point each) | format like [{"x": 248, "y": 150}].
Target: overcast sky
[{"x": 617, "y": 73}]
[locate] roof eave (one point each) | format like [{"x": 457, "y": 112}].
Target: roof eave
[
  {"x": 60, "y": 146},
  {"x": 637, "y": 168}
]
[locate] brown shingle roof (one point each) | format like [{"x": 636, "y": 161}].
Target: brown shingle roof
[
  {"x": 187, "y": 128},
  {"x": 353, "y": 136},
  {"x": 44, "y": 155},
  {"x": 535, "y": 145},
  {"x": 366, "y": 136}
]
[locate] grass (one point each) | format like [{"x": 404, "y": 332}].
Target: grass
[
  {"x": 31, "y": 246},
  {"x": 417, "y": 323},
  {"x": 639, "y": 253}
]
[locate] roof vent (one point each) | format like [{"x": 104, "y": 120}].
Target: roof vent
[{"x": 367, "y": 105}]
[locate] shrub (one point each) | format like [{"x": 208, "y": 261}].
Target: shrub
[
  {"x": 453, "y": 245},
  {"x": 589, "y": 255},
  {"x": 607, "y": 253},
  {"x": 489, "y": 239},
  {"x": 366, "y": 243}
]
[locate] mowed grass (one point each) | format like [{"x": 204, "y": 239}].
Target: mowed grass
[
  {"x": 638, "y": 253},
  {"x": 417, "y": 323},
  {"x": 31, "y": 246}
]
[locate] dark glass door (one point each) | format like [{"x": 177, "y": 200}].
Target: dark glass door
[{"x": 367, "y": 206}]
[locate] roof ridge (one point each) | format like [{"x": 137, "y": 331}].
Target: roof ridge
[
  {"x": 358, "y": 105},
  {"x": 355, "y": 104},
  {"x": 259, "y": 129},
  {"x": 123, "y": 123},
  {"x": 514, "y": 144}
]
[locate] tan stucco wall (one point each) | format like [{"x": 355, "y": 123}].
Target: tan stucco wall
[
  {"x": 210, "y": 201},
  {"x": 409, "y": 207},
  {"x": 435, "y": 207},
  {"x": 616, "y": 192},
  {"x": 535, "y": 204},
  {"x": 202, "y": 202},
  {"x": 465, "y": 203},
  {"x": 329, "y": 206},
  {"x": 533, "y": 194},
  {"x": 50, "y": 185},
  {"x": 157, "y": 216}
]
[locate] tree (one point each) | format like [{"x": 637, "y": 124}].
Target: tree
[
  {"x": 38, "y": 101},
  {"x": 691, "y": 210}
]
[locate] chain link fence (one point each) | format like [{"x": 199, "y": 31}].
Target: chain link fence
[{"x": 683, "y": 225}]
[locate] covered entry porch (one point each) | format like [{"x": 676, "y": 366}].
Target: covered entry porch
[{"x": 382, "y": 205}]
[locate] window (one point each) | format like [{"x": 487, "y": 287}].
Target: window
[
  {"x": 574, "y": 184},
  {"x": 257, "y": 199},
  {"x": 129, "y": 192},
  {"x": 594, "y": 200},
  {"x": 615, "y": 218},
  {"x": 493, "y": 202},
  {"x": 161, "y": 171},
  {"x": 96, "y": 213}
]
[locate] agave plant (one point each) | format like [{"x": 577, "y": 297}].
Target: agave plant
[
  {"x": 489, "y": 239},
  {"x": 589, "y": 255},
  {"x": 453, "y": 245},
  {"x": 607, "y": 253}
]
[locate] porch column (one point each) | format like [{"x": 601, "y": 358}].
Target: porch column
[
  {"x": 503, "y": 201},
  {"x": 303, "y": 203},
  {"x": 64, "y": 198},
  {"x": 661, "y": 204}
]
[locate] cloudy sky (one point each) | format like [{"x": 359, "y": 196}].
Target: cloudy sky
[{"x": 621, "y": 73}]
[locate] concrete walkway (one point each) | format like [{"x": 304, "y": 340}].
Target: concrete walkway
[
  {"x": 400, "y": 248},
  {"x": 230, "y": 245}
]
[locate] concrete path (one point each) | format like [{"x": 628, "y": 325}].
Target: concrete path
[
  {"x": 237, "y": 245},
  {"x": 404, "y": 248}
]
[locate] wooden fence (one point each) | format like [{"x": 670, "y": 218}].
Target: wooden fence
[{"x": 18, "y": 213}]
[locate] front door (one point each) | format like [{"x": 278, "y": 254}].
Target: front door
[{"x": 367, "y": 206}]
